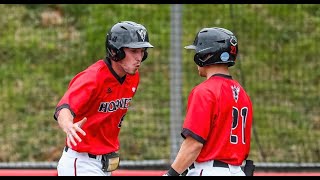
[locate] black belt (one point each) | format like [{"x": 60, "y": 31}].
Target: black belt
[
  {"x": 90, "y": 155},
  {"x": 216, "y": 163}
]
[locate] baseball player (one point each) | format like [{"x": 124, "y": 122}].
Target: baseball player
[
  {"x": 217, "y": 126},
  {"x": 94, "y": 106}
]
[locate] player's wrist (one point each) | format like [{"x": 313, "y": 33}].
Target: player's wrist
[{"x": 172, "y": 172}]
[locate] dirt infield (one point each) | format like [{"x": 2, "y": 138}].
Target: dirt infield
[{"x": 40, "y": 172}]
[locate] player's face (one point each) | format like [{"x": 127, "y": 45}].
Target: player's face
[{"x": 132, "y": 61}]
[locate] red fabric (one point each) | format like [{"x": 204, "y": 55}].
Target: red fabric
[
  {"x": 99, "y": 95},
  {"x": 211, "y": 113}
]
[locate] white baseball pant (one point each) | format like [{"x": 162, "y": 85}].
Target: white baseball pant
[
  {"x": 207, "y": 169},
  {"x": 73, "y": 163}
]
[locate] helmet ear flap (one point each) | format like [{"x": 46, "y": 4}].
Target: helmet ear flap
[
  {"x": 118, "y": 54},
  {"x": 145, "y": 55},
  {"x": 197, "y": 59}
]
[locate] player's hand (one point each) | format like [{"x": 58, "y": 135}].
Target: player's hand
[
  {"x": 65, "y": 121},
  {"x": 72, "y": 130},
  {"x": 72, "y": 135}
]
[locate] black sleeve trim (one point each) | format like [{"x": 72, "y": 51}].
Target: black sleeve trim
[
  {"x": 187, "y": 132},
  {"x": 61, "y": 107}
]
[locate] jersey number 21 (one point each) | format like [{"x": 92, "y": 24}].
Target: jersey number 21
[{"x": 238, "y": 121}]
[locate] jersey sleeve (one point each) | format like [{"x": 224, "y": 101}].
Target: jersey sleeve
[
  {"x": 200, "y": 111},
  {"x": 80, "y": 90}
]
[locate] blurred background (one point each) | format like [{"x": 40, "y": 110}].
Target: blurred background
[{"x": 43, "y": 46}]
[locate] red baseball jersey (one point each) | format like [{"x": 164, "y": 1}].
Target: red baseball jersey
[
  {"x": 219, "y": 115},
  {"x": 99, "y": 94}
]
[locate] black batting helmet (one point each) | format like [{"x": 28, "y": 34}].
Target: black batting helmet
[
  {"x": 126, "y": 34},
  {"x": 214, "y": 46}
]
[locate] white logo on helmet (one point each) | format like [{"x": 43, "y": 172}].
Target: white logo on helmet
[
  {"x": 224, "y": 56},
  {"x": 142, "y": 33},
  {"x": 233, "y": 41}
]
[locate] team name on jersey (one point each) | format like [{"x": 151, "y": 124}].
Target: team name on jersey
[{"x": 112, "y": 106}]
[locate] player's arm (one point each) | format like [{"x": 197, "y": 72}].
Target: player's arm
[
  {"x": 81, "y": 89},
  {"x": 188, "y": 153},
  {"x": 65, "y": 121}
]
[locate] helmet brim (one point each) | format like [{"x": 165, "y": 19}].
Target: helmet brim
[
  {"x": 139, "y": 45},
  {"x": 190, "y": 47}
]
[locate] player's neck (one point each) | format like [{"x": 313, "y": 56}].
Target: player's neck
[
  {"x": 118, "y": 69},
  {"x": 217, "y": 69}
]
